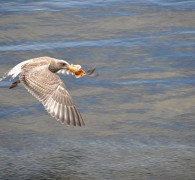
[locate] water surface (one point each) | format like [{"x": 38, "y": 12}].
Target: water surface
[{"x": 139, "y": 112}]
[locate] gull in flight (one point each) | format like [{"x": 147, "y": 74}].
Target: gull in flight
[{"x": 39, "y": 78}]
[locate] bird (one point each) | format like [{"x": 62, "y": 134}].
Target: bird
[{"x": 38, "y": 75}]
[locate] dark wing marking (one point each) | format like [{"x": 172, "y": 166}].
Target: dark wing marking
[{"x": 90, "y": 72}]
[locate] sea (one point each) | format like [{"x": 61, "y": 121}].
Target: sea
[{"x": 139, "y": 112}]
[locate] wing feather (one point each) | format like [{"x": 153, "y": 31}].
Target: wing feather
[
  {"x": 48, "y": 88},
  {"x": 89, "y": 72},
  {"x": 66, "y": 72}
]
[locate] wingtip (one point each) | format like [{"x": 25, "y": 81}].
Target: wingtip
[{"x": 90, "y": 72}]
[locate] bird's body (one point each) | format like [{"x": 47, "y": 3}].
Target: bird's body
[{"x": 39, "y": 78}]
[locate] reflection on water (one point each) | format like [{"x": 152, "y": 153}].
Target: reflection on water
[{"x": 139, "y": 112}]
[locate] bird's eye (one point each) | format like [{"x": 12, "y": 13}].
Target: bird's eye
[{"x": 63, "y": 64}]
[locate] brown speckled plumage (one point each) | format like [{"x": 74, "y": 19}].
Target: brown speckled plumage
[{"x": 38, "y": 77}]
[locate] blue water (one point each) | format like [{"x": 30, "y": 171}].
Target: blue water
[
  {"x": 23, "y": 7},
  {"x": 139, "y": 112}
]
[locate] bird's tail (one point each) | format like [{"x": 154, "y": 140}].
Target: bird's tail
[
  {"x": 15, "y": 71},
  {"x": 4, "y": 76}
]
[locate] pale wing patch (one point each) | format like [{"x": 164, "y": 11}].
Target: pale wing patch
[{"x": 66, "y": 72}]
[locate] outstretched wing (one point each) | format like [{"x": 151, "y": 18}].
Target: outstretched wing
[{"x": 48, "y": 88}]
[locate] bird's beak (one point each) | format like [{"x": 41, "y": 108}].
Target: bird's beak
[{"x": 67, "y": 65}]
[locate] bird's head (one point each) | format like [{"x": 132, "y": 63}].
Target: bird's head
[
  {"x": 61, "y": 64},
  {"x": 57, "y": 65}
]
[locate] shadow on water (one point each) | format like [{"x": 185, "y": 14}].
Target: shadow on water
[{"x": 139, "y": 112}]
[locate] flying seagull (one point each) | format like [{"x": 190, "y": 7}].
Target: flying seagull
[{"x": 39, "y": 78}]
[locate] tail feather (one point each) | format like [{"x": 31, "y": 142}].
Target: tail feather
[
  {"x": 15, "y": 71},
  {"x": 4, "y": 76}
]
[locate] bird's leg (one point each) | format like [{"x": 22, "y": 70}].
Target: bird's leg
[{"x": 14, "y": 84}]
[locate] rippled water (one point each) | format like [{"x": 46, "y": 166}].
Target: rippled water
[{"x": 139, "y": 112}]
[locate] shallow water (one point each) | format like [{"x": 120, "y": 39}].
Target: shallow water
[{"x": 139, "y": 112}]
